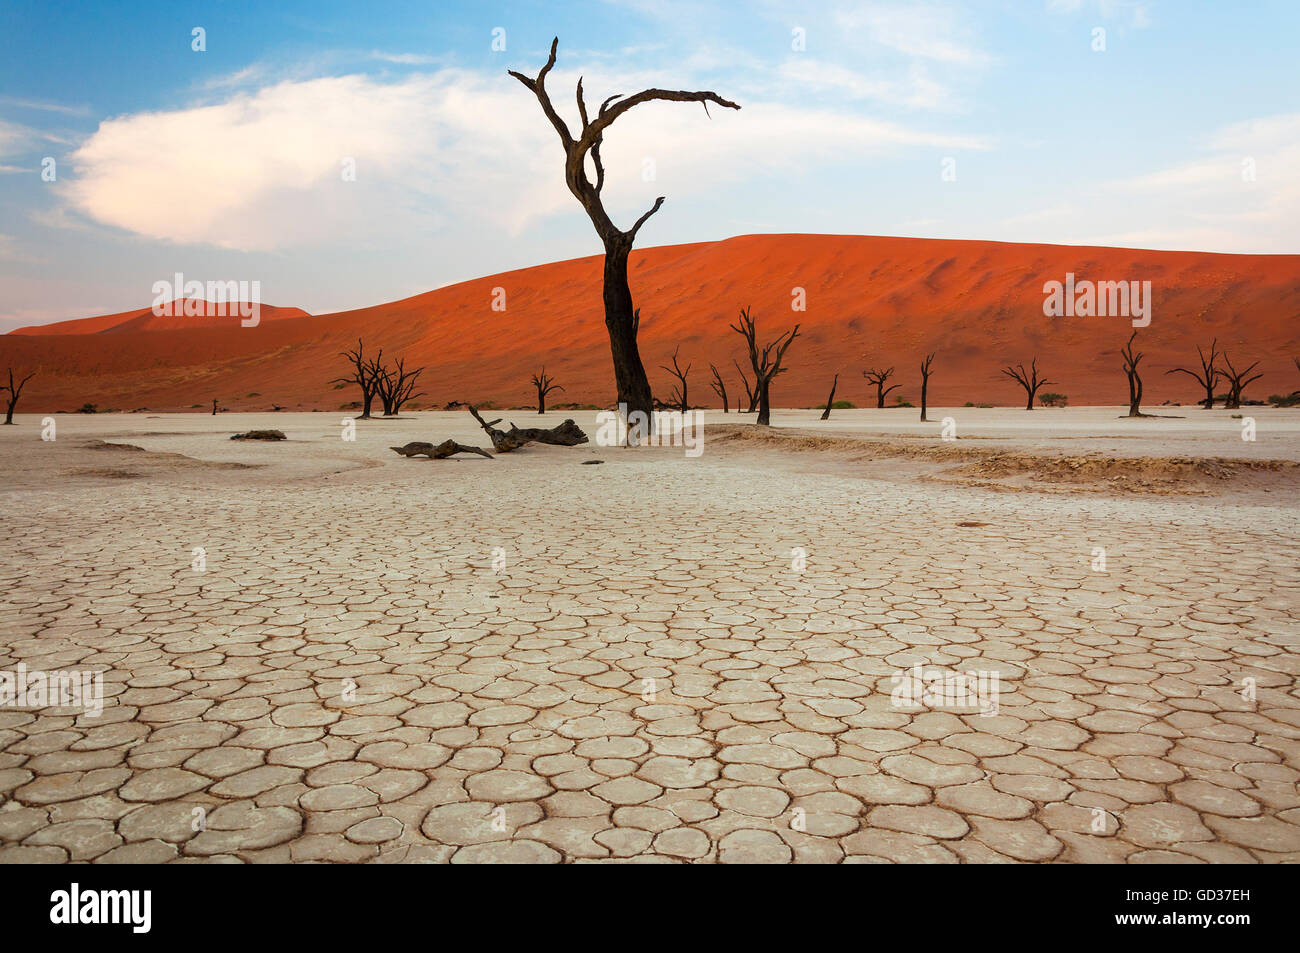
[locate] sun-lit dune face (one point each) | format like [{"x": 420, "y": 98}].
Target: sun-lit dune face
[{"x": 867, "y": 302}]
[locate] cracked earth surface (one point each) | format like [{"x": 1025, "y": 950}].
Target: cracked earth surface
[{"x": 532, "y": 660}]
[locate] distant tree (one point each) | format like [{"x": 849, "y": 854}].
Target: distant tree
[
  {"x": 15, "y": 390},
  {"x": 544, "y": 385},
  {"x": 214, "y": 407},
  {"x": 1237, "y": 381},
  {"x": 766, "y": 361},
  {"x": 629, "y": 373},
  {"x": 365, "y": 374},
  {"x": 878, "y": 377},
  {"x": 1029, "y": 380},
  {"x": 720, "y": 387},
  {"x": 826, "y": 414},
  {"x": 1134, "y": 378},
  {"x": 751, "y": 394},
  {"x": 925, "y": 382},
  {"x": 679, "y": 389},
  {"x": 395, "y": 387},
  {"x": 1208, "y": 374}
]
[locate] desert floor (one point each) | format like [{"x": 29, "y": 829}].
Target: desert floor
[{"x": 661, "y": 657}]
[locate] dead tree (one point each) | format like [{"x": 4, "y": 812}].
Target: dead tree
[
  {"x": 395, "y": 387},
  {"x": 544, "y": 385},
  {"x": 629, "y": 373},
  {"x": 1134, "y": 378},
  {"x": 925, "y": 382},
  {"x": 679, "y": 389},
  {"x": 214, "y": 407},
  {"x": 766, "y": 362},
  {"x": 826, "y": 414},
  {"x": 15, "y": 390},
  {"x": 1029, "y": 380},
  {"x": 1237, "y": 381},
  {"x": 443, "y": 450},
  {"x": 878, "y": 377},
  {"x": 365, "y": 374},
  {"x": 567, "y": 434},
  {"x": 1208, "y": 375},
  {"x": 719, "y": 387},
  {"x": 751, "y": 394}
]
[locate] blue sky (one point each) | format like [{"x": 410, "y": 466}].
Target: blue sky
[{"x": 1183, "y": 132}]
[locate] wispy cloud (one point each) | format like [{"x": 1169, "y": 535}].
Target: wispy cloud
[
  {"x": 265, "y": 169},
  {"x": 44, "y": 106},
  {"x": 925, "y": 31},
  {"x": 406, "y": 59}
]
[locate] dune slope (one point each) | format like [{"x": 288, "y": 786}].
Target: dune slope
[{"x": 870, "y": 301}]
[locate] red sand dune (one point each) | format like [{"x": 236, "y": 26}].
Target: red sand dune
[
  {"x": 146, "y": 320},
  {"x": 870, "y": 301}
]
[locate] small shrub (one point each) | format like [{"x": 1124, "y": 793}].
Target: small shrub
[
  {"x": 843, "y": 405},
  {"x": 88, "y": 409},
  {"x": 1052, "y": 400},
  {"x": 1285, "y": 400}
]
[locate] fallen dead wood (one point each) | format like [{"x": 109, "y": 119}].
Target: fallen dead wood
[
  {"x": 443, "y": 450},
  {"x": 260, "y": 435},
  {"x": 567, "y": 434}
]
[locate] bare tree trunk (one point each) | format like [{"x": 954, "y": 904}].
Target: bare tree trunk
[
  {"x": 15, "y": 389},
  {"x": 826, "y": 414},
  {"x": 443, "y": 450},
  {"x": 879, "y": 376},
  {"x": 765, "y": 360},
  {"x": 1131, "y": 361},
  {"x": 680, "y": 399},
  {"x": 1029, "y": 380},
  {"x": 925, "y": 382},
  {"x": 630, "y": 379},
  {"x": 621, "y": 320},
  {"x": 567, "y": 434},
  {"x": 751, "y": 394},
  {"x": 1237, "y": 381},
  {"x": 719, "y": 387}
]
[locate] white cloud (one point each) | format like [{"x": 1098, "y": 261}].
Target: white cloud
[
  {"x": 1239, "y": 195},
  {"x": 925, "y": 31},
  {"x": 405, "y": 59},
  {"x": 262, "y": 170},
  {"x": 914, "y": 89}
]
